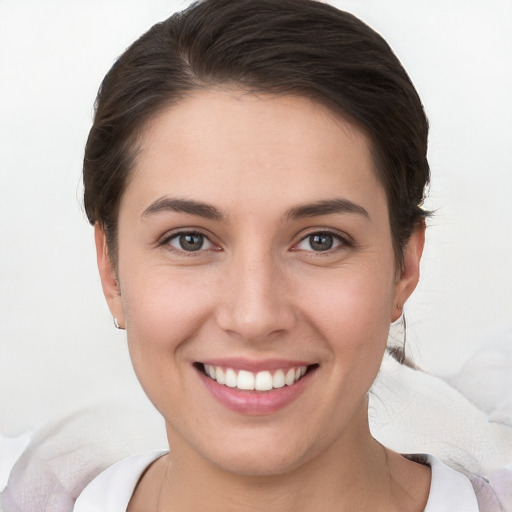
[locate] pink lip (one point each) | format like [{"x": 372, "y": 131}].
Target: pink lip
[
  {"x": 256, "y": 366},
  {"x": 254, "y": 403}
]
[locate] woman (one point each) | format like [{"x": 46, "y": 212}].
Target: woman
[{"x": 255, "y": 175}]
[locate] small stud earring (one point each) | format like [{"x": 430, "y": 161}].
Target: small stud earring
[{"x": 116, "y": 324}]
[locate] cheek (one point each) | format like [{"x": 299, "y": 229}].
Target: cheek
[
  {"x": 162, "y": 314},
  {"x": 158, "y": 306},
  {"x": 352, "y": 311}
]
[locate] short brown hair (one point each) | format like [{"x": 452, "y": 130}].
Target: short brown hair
[{"x": 301, "y": 47}]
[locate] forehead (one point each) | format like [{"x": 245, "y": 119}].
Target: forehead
[{"x": 227, "y": 143}]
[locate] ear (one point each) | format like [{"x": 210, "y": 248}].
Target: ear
[
  {"x": 108, "y": 276},
  {"x": 409, "y": 275}
]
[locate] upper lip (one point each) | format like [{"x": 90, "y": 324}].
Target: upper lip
[{"x": 253, "y": 365}]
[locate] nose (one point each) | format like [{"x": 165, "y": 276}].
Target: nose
[{"x": 257, "y": 305}]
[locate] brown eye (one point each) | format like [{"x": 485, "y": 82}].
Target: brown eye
[{"x": 189, "y": 242}]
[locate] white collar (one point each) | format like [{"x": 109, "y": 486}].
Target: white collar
[
  {"x": 112, "y": 490},
  {"x": 450, "y": 491}
]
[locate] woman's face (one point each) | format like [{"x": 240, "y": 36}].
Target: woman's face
[{"x": 254, "y": 244}]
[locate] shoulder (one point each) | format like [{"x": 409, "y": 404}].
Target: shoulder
[
  {"x": 112, "y": 489},
  {"x": 451, "y": 490},
  {"x": 494, "y": 493}
]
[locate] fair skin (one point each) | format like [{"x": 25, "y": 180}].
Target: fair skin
[{"x": 254, "y": 236}]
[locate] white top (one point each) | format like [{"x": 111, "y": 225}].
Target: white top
[{"x": 111, "y": 491}]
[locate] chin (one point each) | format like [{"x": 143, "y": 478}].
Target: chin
[{"x": 260, "y": 455}]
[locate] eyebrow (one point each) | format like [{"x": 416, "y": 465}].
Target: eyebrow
[
  {"x": 192, "y": 207},
  {"x": 326, "y": 207},
  {"x": 166, "y": 204}
]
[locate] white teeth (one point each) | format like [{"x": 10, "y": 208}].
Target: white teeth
[
  {"x": 230, "y": 378},
  {"x": 245, "y": 380},
  {"x": 263, "y": 381},
  {"x": 278, "y": 379},
  {"x": 260, "y": 381},
  {"x": 220, "y": 376},
  {"x": 290, "y": 377}
]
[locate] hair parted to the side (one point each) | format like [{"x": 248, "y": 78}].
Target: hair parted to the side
[{"x": 300, "y": 47}]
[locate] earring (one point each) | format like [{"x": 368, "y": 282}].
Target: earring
[{"x": 116, "y": 324}]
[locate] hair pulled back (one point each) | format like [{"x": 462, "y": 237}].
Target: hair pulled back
[{"x": 300, "y": 47}]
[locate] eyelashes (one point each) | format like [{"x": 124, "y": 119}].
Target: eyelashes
[{"x": 195, "y": 243}]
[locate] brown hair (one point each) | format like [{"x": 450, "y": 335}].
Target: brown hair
[{"x": 298, "y": 47}]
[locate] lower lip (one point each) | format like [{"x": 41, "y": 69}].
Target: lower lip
[{"x": 255, "y": 403}]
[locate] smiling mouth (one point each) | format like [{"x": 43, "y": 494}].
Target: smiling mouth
[{"x": 255, "y": 381}]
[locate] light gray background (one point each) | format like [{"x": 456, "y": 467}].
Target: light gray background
[{"x": 58, "y": 347}]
